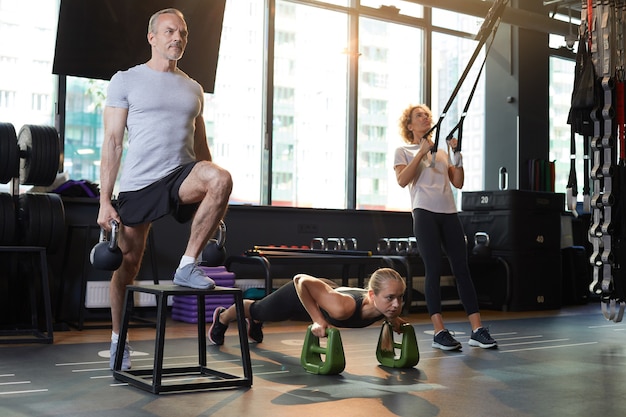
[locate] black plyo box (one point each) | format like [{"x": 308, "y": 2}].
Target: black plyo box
[
  {"x": 520, "y": 230},
  {"x": 535, "y": 279},
  {"x": 512, "y": 200}
]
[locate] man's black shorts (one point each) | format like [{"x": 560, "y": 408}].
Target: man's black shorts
[{"x": 156, "y": 200}]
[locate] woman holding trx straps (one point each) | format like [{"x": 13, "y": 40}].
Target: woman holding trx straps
[
  {"x": 307, "y": 298},
  {"x": 436, "y": 224}
]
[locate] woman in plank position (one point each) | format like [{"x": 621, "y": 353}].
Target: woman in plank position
[{"x": 307, "y": 298}]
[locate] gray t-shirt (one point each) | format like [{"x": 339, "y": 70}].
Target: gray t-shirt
[{"x": 162, "y": 107}]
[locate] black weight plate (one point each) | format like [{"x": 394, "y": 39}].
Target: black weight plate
[
  {"x": 58, "y": 222},
  {"x": 52, "y": 155},
  {"x": 7, "y": 220},
  {"x": 25, "y": 142},
  {"x": 43, "y": 163},
  {"x": 43, "y": 210},
  {"x": 40, "y": 155},
  {"x": 39, "y": 164},
  {"x": 9, "y": 153},
  {"x": 28, "y": 216},
  {"x": 37, "y": 152},
  {"x": 47, "y": 168}
]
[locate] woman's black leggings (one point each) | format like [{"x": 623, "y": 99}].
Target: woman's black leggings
[{"x": 436, "y": 232}]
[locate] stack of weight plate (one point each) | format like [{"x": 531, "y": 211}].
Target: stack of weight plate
[
  {"x": 33, "y": 157},
  {"x": 185, "y": 307}
]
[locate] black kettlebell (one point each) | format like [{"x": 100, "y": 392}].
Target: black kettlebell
[
  {"x": 214, "y": 253},
  {"x": 481, "y": 245},
  {"x": 106, "y": 255}
]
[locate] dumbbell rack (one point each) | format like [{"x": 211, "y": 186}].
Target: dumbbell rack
[{"x": 34, "y": 159}]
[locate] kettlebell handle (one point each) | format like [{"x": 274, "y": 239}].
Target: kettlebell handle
[
  {"x": 114, "y": 231},
  {"x": 221, "y": 234},
  {"x": 115, "y": 226},
  {"x": 481, "y": 238}
]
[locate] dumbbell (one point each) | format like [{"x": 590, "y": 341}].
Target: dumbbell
[{"x": 106, "y": 255}]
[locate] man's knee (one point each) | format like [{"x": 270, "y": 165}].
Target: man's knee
[
  {"x": 207, "y": 180},
  {"x": 131, "y": 263},
  {"x": 225, "y": 180},
  {"x": 218, "y": 177}
]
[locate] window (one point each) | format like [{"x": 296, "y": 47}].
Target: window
[
  {"x": 392, "y": 78},
  {"x": 27, "y": 87},
  {"x": 83, "y": 127},
  {"x": 561, "y": 86},
  {"x": 313, "y": 121},
  {"x": 320, "y": 128},
  {"x": 456, "y": 21},
  {"x": 234, "y": 113}
]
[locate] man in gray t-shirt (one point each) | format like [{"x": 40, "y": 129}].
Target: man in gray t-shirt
[{"x": 167, "y": 169}]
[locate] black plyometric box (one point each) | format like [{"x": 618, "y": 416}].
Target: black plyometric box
[
  {"x": 491, "y": 278},
  {"x": 521, "y": 281},
  {"x": 514, "y": 229},
  {"x": 512, "y": 200},
  {"x": 524, "y": 229}
]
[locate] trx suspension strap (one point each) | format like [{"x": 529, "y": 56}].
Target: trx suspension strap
[
  {"x": 586, "y": 173},
  {"x": 459, "y": 125},
  {"x": 583, "y": 100},
  {"x": 494, "y": 14},
  {"x": 572, "y": 185}
]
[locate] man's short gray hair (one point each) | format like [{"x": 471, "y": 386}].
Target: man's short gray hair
[{"x": 154, "y": 17}]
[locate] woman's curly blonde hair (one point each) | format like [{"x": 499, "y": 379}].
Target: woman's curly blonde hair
[{"x": 405, "y": 120}]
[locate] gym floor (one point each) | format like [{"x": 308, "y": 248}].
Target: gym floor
[{"x": 549, "y": 363}]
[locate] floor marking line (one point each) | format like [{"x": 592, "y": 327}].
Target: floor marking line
[
  {"x": 534, "y": 342},
  {"x": 91, "y": 370},
  {"x": 15, "y": 383},
  {"x": 32, "y": 391},
  {"x": 453, "y": 356},
  {"x": 548, "y": 347},
  {"x": 271, "y": 373},
  {"x": 134, "y": 359},
  {"x": 79, "y": 363},
  {"x": 520, "y": 337}
]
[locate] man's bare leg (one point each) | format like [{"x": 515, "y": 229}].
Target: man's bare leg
[
  {"x": 132, "y": 242},
  {"x": 210, "y": 186}
]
